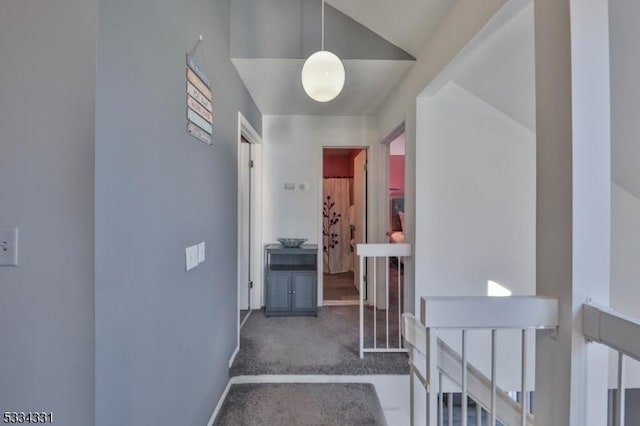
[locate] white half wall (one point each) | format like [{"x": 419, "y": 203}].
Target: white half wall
[
  {"x": 476, "y": 210},
  {"x": 625, "y": 270},
  {"x": 625, "y": 154},
  {"x": 292, "y": 153}
]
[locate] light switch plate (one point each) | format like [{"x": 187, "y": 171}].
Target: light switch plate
[
  {"x": 289, "y": 186},
  {"x": 8, "y": 246},
  {"x": 201, "y": 252},
  {"x": 191, "y": 257}
]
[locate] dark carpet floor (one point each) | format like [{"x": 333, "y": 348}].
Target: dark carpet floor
[
  {"x": 328, "y": 344},
  {"x": 301, "y": 404},
  {"x": 339, "y": 287},
  {"x": 243, "y": 314}
]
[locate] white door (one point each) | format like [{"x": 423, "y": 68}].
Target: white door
[
  {"x": 360, "y": 208},
  {"x": 244, "y": 216}
]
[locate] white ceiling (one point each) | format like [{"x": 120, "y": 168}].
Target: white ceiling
[
  {"x": 406, "y": 23},
  {"x": 276, "y": 88},
  {"x": 498, "y": 66},
  {"x": 501, "y": 69}
]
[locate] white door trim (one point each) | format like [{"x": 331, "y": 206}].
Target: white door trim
[{"x": 250, "y": 134}]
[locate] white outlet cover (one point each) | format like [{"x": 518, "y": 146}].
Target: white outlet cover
[
  {"x": 8, "y": 246},
  {"x": 201, "y": 252},
  {"x": 191, "y": 254},
  {"x": 303, "y": 186}
]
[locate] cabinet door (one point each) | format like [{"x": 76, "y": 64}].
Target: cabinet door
[
  {"x": 278, "y": 296},
  {"x": 303, "y": 288}
]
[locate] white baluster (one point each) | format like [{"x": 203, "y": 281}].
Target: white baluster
[
  {"x": 493, "y": 375},
  {"x": 375, "y": 303},
  {"x": 387, "y": 295},
  {"x": 463, "y": 403},
  {"x": 621, "y": 391},
  {"x": 440, "y": 401},
  {"x": 399, "y": 306},
  {"x": 523, "y": 390},
  {"x": 361, "y": 260}
]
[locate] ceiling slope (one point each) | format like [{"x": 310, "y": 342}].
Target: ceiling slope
[
  {"x": 291, "y": 29},
  {"x": 276, "y": 87},
  {"x": 407, "y": 24}
]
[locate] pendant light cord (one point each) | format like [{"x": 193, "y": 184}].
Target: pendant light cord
[{"x": 322, "y": 24}]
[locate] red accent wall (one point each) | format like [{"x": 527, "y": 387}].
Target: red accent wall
[
  {"x": 396, "y": 174},
  {"x": 337, "y": 165}
]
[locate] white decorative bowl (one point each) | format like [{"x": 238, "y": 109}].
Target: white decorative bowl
[{"x": 292, "y": 242}]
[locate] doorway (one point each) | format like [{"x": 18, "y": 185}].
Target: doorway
[
  {"x": 245, "y": 218},
  {"x": 396, "y": 230},
  {"x": 249, "y": 283},
  {"x": 396, "y": 221},
  {"x": 344, "y": 223}
]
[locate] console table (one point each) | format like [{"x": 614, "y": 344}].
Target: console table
[{"x": 291, "y": 276}]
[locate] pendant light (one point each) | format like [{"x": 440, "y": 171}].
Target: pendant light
[{"x": 323, "y": 73}]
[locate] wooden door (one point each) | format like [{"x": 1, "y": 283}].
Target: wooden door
[
  {"x": 360, "y": 208},
  {"x": 245, "y": 226}
]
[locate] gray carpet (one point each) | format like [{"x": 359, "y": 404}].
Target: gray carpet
[
  {"x": 301, "y": 404},
  {"x": 327, "y": 344}
]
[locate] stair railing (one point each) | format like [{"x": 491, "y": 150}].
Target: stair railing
[
  {"x": 375, "y": 252},
  {"x": 619, "y": 332},
  {"x": 473, "y": 313}
]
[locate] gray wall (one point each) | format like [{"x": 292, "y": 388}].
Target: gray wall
[
  {"x": 291, "y": 29},
  {"x": 47, "y": 80},
  {"x": 163, "y": 336}
]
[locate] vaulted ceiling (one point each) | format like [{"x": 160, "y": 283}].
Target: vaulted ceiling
[
  {"x": 406, "y": 23},
  {"x": 377, "y": 40}
]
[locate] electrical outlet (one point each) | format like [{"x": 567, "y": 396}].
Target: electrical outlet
[
  {"x": 303, "y": 186},
  {"x": 201, "y": 252},
  {"x": 8, "y": 246}
]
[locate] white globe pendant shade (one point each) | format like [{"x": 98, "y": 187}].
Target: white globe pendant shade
[{"x": 323, "y": 76}]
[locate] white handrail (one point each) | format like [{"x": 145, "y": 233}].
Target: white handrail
[
  {"x": 620, "y": 332},
  {"x": 449, "y": 364},
  {"x": 489, "y": 313},
  {"x": 485, "y": 313}
]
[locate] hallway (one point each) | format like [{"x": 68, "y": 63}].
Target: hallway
[{"x": 325, "y": 345}]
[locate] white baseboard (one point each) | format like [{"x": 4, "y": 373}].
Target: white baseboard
[
  {"x": 340, "y": 303},
  {"x": 233, "y": 355},
  {"x": 245, "y": 320},
  {"x": 220, "y": 402},
  {"x": 319, "y": 378}
]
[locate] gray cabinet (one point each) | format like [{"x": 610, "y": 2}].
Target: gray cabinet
[{"x": 291, "y": 278}]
